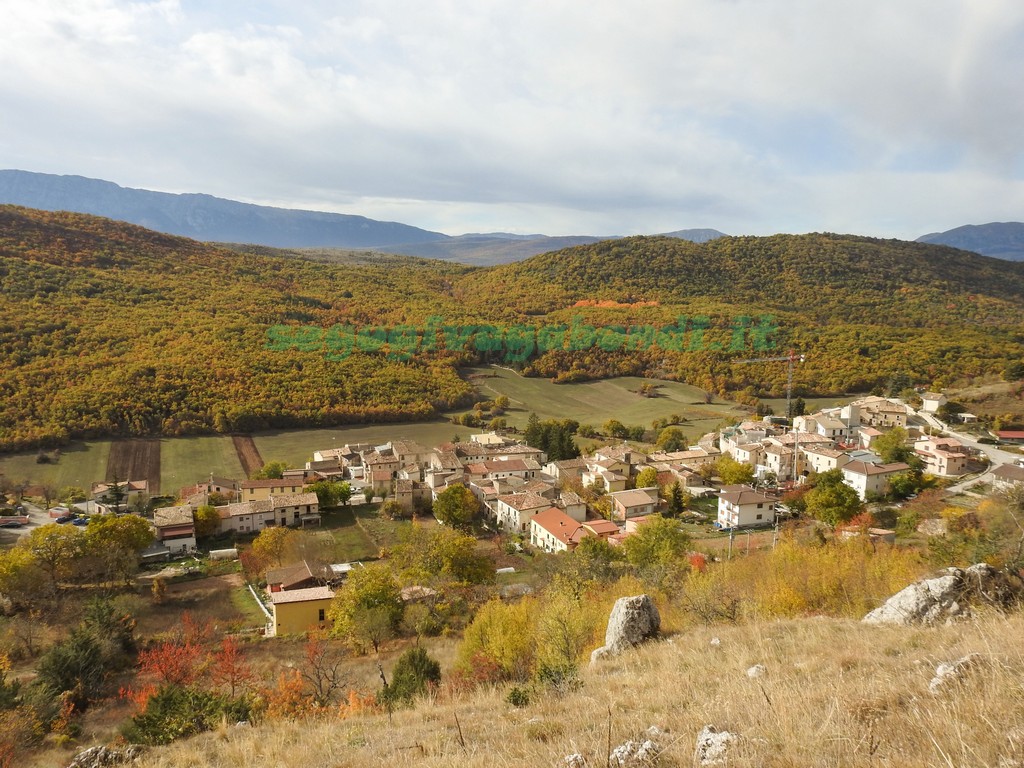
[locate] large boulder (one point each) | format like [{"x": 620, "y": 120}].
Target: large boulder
[
  {"x": 102, "y": 757},
  {"x": 948, "y": 597},
  {"x": 633, "y": 620}
]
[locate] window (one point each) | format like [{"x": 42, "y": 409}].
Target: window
[
  {"x": 320, "y": 615},
  {"x": 759, "y": 517}
]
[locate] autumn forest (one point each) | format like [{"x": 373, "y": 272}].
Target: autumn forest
[{"x": 109, "y": 329}]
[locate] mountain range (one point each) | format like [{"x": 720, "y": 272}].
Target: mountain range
[
  {"x": 1003, "y": 240},
  {"x": 214, "y": 219}
]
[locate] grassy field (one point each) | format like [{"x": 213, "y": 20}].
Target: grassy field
[
  {"x": 594, "y": 402},
  {"x": 187, "y": 460},
  {"x": 80, "y": 464},
  {"x": 296, "y": 447}
]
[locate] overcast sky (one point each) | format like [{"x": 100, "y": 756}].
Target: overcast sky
[{"x": 882, "y": 117}]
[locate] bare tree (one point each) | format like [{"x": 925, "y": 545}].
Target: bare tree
[{"x": 322, "y": 669}]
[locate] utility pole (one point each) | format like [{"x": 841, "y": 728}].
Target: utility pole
[{"x": 790, "y": 359}]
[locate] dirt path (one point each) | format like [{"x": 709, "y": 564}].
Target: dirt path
[
  {"x": 135, "y": 460},
  {"x": 248, "y": 454}
]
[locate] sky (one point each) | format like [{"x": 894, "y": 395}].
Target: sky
[{"x": 890, "y": 118}]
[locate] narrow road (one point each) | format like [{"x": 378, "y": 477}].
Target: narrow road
[{"x": 995, "y": 454}]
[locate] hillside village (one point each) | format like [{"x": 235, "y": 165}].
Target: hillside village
[
  {"x": 756, "y": 477},
  {"x": 550, "y": 506}
]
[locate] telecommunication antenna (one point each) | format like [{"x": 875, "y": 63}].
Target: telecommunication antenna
[{"x": 791, "y": 358}]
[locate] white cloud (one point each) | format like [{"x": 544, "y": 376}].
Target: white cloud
[{"x": 745, "y": 115}]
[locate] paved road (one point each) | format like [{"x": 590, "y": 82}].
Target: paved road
[
  {"x": 37, "y": 516},
  {"x": 995, "y": 454}
]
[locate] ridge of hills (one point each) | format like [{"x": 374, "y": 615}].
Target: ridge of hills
[
  {"x": 207, "y": 218},
  {"x": 111, "y": 329},
  {"x": 1003, "y": 240}
]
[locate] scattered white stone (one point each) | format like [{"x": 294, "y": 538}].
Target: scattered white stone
[
  {"x": 655, "y": 732},
  {"x": 758, "y": 670},
  {"x": 712, "y": 745},
  {"x": 715, "y": 642},
  {"x": 242, "y": 724},
  {"x": 575, "y": 760},
  {"x": 949, "y": 672},
  {"x": 632, "y": 754}
]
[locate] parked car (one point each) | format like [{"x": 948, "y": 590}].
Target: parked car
[
  {"x": 11, "y": 524},
  {"x": 64, "y": 519},
  {"x": 79, "y": 521}
]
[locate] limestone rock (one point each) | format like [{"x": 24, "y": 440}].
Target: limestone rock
[
  {"x": 712, "y": 745},
  {"x": 633, "y": 754},
  {"x": 947, "y": 597},
  {"x": 575, "y": 760},
  {"x": 757, "y": 670},
  {"x": 949, "y": 672},
  {"x": 633, "y": 620},
  {"x": 100, "y": 757}
]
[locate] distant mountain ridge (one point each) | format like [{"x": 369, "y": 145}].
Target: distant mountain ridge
[
  {"x": 1002, "y": 240},
  {"x": 204, "y": 217},
  {"x": 213, "y": 219}
]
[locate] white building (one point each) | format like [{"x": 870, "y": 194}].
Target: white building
[
  {"x": 872, "y": 479},
  {"x": 744, "y": 506},
  {"x": 554, "y": 531}
]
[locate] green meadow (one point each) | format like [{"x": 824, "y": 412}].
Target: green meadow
[{"x": 187, "y": 460}]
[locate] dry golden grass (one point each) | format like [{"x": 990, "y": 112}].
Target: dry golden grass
[{"x": 835, "y": 693}]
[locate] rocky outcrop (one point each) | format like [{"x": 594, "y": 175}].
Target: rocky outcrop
[
  {"x": 101, "y": 757},
  {"x": 633, "y": 620},
  {"x": 948, "y": 597}
]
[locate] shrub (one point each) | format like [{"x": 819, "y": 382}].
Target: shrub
[
  {"x": 415, "y": 673},
  {"x": 175, "y": 712},
  {"x": 506, "y": 633},
  {"x": 518, "y": 697}
]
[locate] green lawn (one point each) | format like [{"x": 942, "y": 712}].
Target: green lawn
[
  {"x": 245, "y": 604},
  {"x": 187, "y": 460},
  {"x": 349, "y": 541},
  {"x": 80, "y": 464}
]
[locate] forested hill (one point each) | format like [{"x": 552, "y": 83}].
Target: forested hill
[
  {"x": 111, "y": 329},
  {"x": 834, "y": 274}
]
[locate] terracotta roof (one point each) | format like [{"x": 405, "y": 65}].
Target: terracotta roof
[
  {"x": 168, "y": 516},
  {"x": 632, "y": 498},
  {"x": 521, "y": 501},
  {"x": 290, "y": 574},
  {"x": 601, "y": 527},
  {"x": 745, "y": 496},
  {"x": 1009, "y": 472},
  {"x": 293, "y": 500},
  {"x": 245, "y": 508},
  {"x": 863, "y": 468},
  {"x": 301, "y": 595},
  {"x": 558, "y": 524},
  {"x": 270, "y": 483}
]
